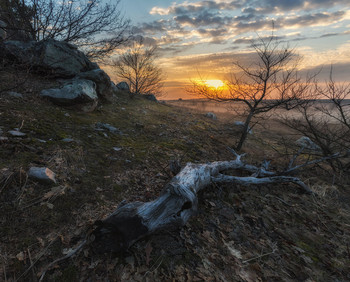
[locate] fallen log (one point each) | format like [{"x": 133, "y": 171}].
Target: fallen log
[{"x": 176, "y": 204}]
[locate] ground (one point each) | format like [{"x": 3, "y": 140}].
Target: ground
[{"x": 268, "y": 233}]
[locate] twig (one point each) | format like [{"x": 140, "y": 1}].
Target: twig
[
  {"x": 258, "y": 257},
  {"x": 4, "y": 269},
  {"x": 40, "y": 255},
  {"x": 334, "y": 156},
  {"x": 7, "y": 181},
  {"x": 295, "y": 157},
  {"x": 283, "y": 201},
  {"x": 31, "y": 263},
  {"x": 70, "y": 254}
]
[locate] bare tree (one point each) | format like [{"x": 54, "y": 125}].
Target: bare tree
[
  {"x": 94, "y": 26},
  {"x": 325, "y": 119},
  {"x": 137, "y": 66},
  {"x": 271, "y": 81}
]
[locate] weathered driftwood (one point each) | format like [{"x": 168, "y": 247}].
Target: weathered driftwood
[{"x": 177, "y": 203}]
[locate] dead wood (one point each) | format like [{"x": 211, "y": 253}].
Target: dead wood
[{"x": 177, "y": 203}]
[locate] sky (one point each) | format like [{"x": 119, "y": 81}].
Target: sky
[{"x": 204, "y": 38}]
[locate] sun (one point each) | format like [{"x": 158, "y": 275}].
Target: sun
[{"x": 215, "y": 83}]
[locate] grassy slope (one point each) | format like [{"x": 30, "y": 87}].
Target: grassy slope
[{"x": 240, "y": 234}]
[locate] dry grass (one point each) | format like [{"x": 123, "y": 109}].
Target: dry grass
[{"x": 279, "y": 233}]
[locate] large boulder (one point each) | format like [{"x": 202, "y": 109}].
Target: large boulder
[
  {"x": 57, "y": 58},
  {"x": 3, "y": 33},
  {"x": 104, "y": 87},
  {"x": 80, "y": 93}
]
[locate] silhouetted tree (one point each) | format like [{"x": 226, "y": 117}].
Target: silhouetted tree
[
  {"x": 271, "y": 81},
  {"x": 137, "y": 66},
  {"x": 325, "y": 119}
]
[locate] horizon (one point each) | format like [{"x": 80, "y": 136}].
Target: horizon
[{"x": 203, "y": 38}]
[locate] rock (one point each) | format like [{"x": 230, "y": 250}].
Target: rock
[
  {"x": 67, "y": 140},
  {"x": 17, "y": 133},
  {"x": 306, "y": 142},
  {"x": 117, "y": 149},
  {"x": 139, "y": 125},
  {"x": 114, "y": 87},
  {"x": 77, "y": 92},
  {"x": 103, "y": 126},
  {"x": 42, "y": 174},
  {"x": 123, "y": 86},
  {"x": 211, "y": 115},
  {"x": 3, "y": 33},
  {"x": 103, "y": 83},
  {"x": 151, "y": 97},
  {"x": 14, "y": 94},
  {"x": 241, "y": 124},
  {"x": 53, "y": 57}
]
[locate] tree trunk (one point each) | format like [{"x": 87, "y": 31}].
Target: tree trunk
[
  {"x": 177, "y": 203},
  {"x": 244, "y": 131}
]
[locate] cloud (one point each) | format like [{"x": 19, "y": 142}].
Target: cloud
[
  {"x": 247, "y": 6},
  {"x": 196, "y": 7}
]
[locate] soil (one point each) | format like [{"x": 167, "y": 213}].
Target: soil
[{"x": 264, "y": 233}]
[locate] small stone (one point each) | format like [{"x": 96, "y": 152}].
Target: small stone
[
  {"x": 67, "y": 140},
  {"x": 307, "y": 143},
  {"x": 211, "y": 115},
  {"x": 101, "y": 126},
  {"x": 41, "y": 140},
  {"x": 117, "y": 149},
  {"x": 98, "y": 189},
  {"x": 67, "y": 115},
  {"x": 16, "y": 133},
  {"x": 14, "y": 94},
  {"x": 139, "y": 125},
  {"x": 42, "y": 174}
]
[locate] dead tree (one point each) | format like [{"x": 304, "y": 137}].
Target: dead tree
[
  {"x": 325, "y": 119},
  {"x": 271, "y": 81},
  {"x": 177, "y": 203}
]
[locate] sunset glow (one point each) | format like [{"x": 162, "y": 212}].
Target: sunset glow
[
  {"x": 215, "y": 83},
  {"x": 206, "y": 37}
]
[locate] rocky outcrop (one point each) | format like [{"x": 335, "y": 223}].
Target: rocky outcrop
[
  {"x": 84, "y": 82},
  {"x": 80, "y": 93},
  {"x": 56, "y": 58},
  {"x": 104, "y": 87}
]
